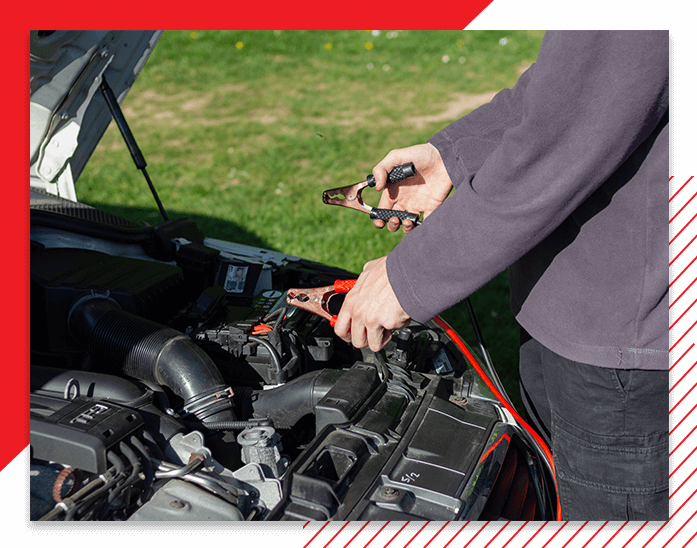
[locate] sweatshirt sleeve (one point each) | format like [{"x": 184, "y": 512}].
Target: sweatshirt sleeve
[
  {"x": 526, "y": 161},
  {"x": 466, "y": 143}
]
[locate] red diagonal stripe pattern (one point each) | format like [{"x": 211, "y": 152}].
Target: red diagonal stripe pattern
[
  {"x": 680, "y": 530},
  {"x": 684, "y": 375},
  {"x": 501, "y": 534}
]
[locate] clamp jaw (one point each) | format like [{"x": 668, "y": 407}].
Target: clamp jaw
[
  {"x": 316, "y": 300},
  {"x": 350, "y": 196}
]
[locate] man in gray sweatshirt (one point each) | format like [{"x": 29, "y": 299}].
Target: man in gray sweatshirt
[{"x": 562, "y": 180}]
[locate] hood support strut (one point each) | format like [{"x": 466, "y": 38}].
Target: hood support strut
[{"x": 136, "y": 154}]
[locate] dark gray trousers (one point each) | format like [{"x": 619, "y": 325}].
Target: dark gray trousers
[{"x": 608, "y": 431}]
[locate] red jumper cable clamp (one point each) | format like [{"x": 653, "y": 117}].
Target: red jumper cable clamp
[{"x": 316, "y": 300}]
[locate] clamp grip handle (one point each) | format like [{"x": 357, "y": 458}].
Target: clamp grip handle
[
  {"x": 400, "y": 172},
  {"x": 387, "y": 214},
  {"x": 344, "y": 286},
  {"x": 341, "y": 286}
]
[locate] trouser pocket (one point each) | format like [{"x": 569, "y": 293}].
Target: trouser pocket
[{"x": 608, "y": 477}]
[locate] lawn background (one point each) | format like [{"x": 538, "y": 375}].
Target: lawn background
[{"x": 242, "y": 130}]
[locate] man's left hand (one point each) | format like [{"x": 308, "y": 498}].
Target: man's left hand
[{"x": 371, "y": 310}]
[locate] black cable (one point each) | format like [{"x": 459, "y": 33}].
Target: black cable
[
  {"x": 135, "y": 471},
  {"x": 493, "y": 376},
  {"x": 282, "y": 316},
  {"x": 383, "y": 371},
  {"x": 274, "y": 353},
  {"x": 153, "y": 444},
  {"x": 232, "y": 425},
  {"x": 109, "y": 482},
  {"x": 114, "y": 459},
  {"x": 147, "y": 468}
]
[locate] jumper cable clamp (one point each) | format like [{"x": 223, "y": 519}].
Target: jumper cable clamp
[
  {"x": 316, "y": 300},
  {"x": 350, "y": 196}
]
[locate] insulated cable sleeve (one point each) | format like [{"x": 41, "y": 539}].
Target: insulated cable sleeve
[
  {"x": 400, "y": 172},
  {"x": 387, "y": 214},
  {"x": 344, "y": 286},
  {"x": 341, "y": 286}
]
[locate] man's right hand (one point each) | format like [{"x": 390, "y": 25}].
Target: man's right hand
[{"x": 422, "y": 193}]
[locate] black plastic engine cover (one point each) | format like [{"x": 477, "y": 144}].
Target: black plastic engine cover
[
  {"x": 80, "y": 432},
  {"x": 397, "y": 459},
  {"x": 60, "y": 276}
]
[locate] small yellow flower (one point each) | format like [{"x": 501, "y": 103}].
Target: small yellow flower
[
  {"x": 460, "y": 43},
  {"x": 239, "y": 45},
  {"x": 327, "y": 46},
  {"x": 368, "y": 45},
  {"x": 194, "y": 35}
]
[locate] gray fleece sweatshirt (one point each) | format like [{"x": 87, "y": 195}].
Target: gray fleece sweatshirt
[{"x": 564, "y": 181}]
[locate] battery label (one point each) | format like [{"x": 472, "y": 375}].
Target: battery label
[
  {"x": 442, "y": 363},
  {"x": 235, "y": 278},
  {"x": 266, "y": 300}
]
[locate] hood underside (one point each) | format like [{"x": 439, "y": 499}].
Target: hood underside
[{"x": 68, "y": 115}]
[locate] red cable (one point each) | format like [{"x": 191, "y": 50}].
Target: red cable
[{"x": 463, "y": 348}]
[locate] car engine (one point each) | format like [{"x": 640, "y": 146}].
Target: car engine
[{"x": 171, "y": 381}]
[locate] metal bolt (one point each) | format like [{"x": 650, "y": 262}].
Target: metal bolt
[
  {"x": 64, "y": 115},
  {"x": 176, "y": 504},
  {"x": 104, "y": 52},
  {"x": 458, "y": 400},
  {"x": 388, "y": 493}
]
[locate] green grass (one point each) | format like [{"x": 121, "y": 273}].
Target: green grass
[{"x": 242, "y": 130}]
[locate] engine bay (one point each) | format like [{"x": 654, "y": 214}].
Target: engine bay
[{"x": 170, "y": 380}]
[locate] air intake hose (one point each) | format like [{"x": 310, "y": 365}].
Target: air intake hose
[
  {"x": 154, "y": 353},
  {"x": 287, "y": 404}
]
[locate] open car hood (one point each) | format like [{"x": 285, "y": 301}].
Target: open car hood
[{"x": 68, "y": 114}]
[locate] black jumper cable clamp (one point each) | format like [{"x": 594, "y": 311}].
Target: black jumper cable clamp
[{"x": 350, "y": 196}]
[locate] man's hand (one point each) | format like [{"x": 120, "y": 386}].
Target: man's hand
[
  {"x": 422, "y": 193},
  {"x": 371, "y": 309}
]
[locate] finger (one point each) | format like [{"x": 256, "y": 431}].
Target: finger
[
  {"x": 380, "y": 174},
  {"x": 389, "y": 162},
  {"x": 407, "y": 226},
  {"x": 359, "y": 338},
  {"x": 393, "y": 224},
  {"x": 378, "y": 223},
  {"x": 378, "y": 338},
  {"x": 342, "y": 327}
]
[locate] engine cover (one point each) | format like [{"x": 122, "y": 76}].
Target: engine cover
[{"x": 61, "y": 276}]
